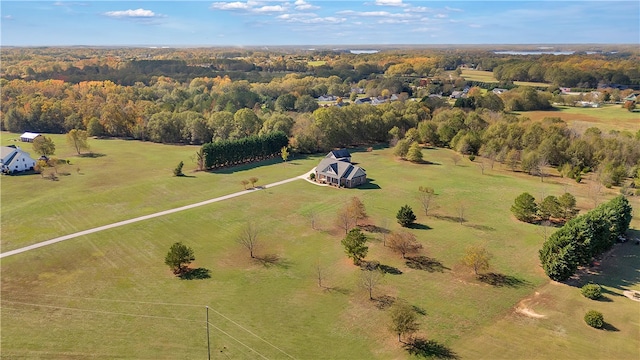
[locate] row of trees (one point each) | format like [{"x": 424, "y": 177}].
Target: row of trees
[
  {"x": 561, "y": 208},
  {"x": 248, "y": 149},
  {"x": 583, "y": 238}
]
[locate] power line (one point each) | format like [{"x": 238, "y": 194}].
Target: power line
[
  {"x": 249, "y": 331},
  {"x": 153, "y": 303},
  {"x": 240, "y": 342}
]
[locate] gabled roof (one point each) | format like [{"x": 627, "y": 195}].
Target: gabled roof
[
  {"x": 339, "y": 154},
  {"x": 29, "y": 135},
  {"x": 339, "y": 169},
  {"x": 6, "y": 150}
]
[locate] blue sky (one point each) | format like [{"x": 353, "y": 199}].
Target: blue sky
[{"x": 308, "y": 22}]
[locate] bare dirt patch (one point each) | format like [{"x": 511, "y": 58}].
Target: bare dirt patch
[
  {"x": 632, "y": 294},
  {"x": 524, "y": 308}
]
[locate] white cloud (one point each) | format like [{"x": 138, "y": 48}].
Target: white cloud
[
  {"x": 476, "y": 26},
  {"x": 8, "y": 17},
  {"x": 303, "y": 5},
  {"x": 390, "y": 3},
  {"x": 393, "y": 21},
  {"x": 310, "y": 18},
  {"x": 441, "y": 16},
  {"x": 269, "y": 8},
  {"x": 421, "y": 9},
  {"x": 375, "y": 14},
  {"x": 138, "y": 13},
  {"x": 236, "y": 5},
  {"x": 452, "y": 9}
]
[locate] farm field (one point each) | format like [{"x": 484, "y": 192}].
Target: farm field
[
  {"x": 487, "y": 76},
  {"x": 608, "y": 117},
  {"x": 109, "y": 294}
]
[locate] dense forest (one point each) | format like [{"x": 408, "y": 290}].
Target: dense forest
[{"x": 200, "y": 96}]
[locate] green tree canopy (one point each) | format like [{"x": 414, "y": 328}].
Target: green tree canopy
[
  {"x": 403, "y": 320},
  {"x": 355, "y": 245},
  {"x": 524, "y": 207},
  {"x": 44, "y": 146},
  {"x": 179, "y": 257},
  {"x": 405, "y": 216}
]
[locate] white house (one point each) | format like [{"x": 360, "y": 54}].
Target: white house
[
  {"x": 15, "y": 160},
  {"x": 28, "y": 137}
]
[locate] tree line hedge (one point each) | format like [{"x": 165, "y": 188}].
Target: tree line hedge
[
  {"x": 252, "y": 148},
  {"x": 586, "y": 236}
]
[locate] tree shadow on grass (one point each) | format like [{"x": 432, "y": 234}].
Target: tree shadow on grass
[
  {"x": 384, "y": 301},
  {"x": 91, "y": 155},
  {"x": 425, "y": 263},
  {"x": 500, "y": 280},
  {"x": 419, "y": 226},
  {"x": 271, "y": 260},
  {"x": 336, "y": 289},
  {"x": 448, "y": 218},
  {"x": 390, "y": 269},
  {"x": 481, "y": 227},
  {"x": 422, "y": 347},
  {"x": 196, "y": 274},
  {"x": 374, "y": 229},
  {"x": 608, "y": 327}
]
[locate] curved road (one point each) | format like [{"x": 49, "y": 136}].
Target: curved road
[{"x": 145, "y": 217}]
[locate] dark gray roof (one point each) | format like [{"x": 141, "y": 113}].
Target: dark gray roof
[
  {"x": 339, "y": 154},
  {"x": 339, "y": 169}
]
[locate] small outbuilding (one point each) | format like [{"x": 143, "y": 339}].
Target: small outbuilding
[{"x": 28, "y": 137}]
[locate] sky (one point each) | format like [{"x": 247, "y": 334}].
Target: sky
[{"x": 308, "y": 22}]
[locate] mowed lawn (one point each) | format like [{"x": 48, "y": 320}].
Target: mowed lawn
[
  {"x": 109, "y": 294},
  {"x": 608, "y": 117},
  {"x": 487, "y": 77}
]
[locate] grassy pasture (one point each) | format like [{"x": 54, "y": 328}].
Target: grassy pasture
[
  {"x": 487, "y": 76},
  {"x": 316, "y": 63},
  {"x": 109, "y": 295},
  {"x": 607, "y": 117}
]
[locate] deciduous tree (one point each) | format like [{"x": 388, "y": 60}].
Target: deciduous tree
[
  {"x": 477, "y": 258},
  {"x": 369, "y": 279},
  {"x": 404, "y": 242},
  {"x": 415, "y": 153},
  {"x": 426, "y": 196},
  {"x": 44, "y": 146},
  {"x": 356, "y": 209},
  {"x": 403, "y": 320},
  {"x": 78, "y": 139},
  {"x": 249, "y": 238}
]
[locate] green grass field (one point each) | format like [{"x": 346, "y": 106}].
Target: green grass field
[
  {"x": 487, "y": 76},
  {"x": 316, "y": 63},
  {"x": 109, "y": 294},
  {"x": 608, "y": 117}
]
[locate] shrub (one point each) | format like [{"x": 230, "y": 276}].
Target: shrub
[
  {"x": 472, "y": 157},
  {"x": 594, "y": 319},
  {"x": 591, "y": 291},
  {"x": 178, "y": 170},
  {"x": 312, "y": 176},
  {"x": 405, "y": 216}
]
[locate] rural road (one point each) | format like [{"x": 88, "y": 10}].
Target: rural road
[{"x": 150, "y": 216}]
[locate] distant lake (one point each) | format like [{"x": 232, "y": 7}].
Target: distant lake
[
  {"x": 534, "y": 52},
  {"x": 364, "y": 51}
]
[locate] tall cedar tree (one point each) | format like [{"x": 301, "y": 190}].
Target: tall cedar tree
[{"x": 524, "y": 207}]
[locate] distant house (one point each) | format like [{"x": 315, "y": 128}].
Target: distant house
[
  {"x": 28, "y": 137},
  {"x": 498, "y": 91},
  {"x": 15, "y": 160},
  {"x": 364, "y": 100},
  {"x": 456, "y": 94},
  {"x": 336, "y": 169},
  {"x": 632, "y": 97},
  {"x": 565, "y": 89},
  {"x": 327, "y": 98}
]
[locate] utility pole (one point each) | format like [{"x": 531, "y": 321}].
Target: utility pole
[{"x": 208, "y": 341}]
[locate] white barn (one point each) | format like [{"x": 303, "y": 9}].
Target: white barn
[
  {"x": 15, "y": 160},
  {"x": 28, "y": 137}
]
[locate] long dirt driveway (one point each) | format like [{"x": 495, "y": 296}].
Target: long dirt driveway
[{"x": 145, "y": 217}]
